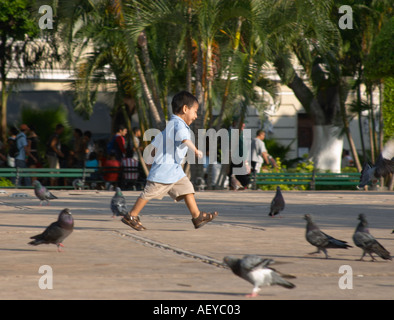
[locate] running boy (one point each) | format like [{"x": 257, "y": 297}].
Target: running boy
[{"x": 166, "y": 175}]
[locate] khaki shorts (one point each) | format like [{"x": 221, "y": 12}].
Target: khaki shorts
[{"x": 177, "y": 190}]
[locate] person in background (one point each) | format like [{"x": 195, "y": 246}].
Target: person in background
[
  {"x": 33, "y": 158},
  {"x": 118, "y": 144},
  {"x": 54, "y": 150},
  {"x": 23, "y": 152},
  {"x": 260, "y": 153},
  {"x": 11, "y": 148},
  {"x": 347, "y": 160},
  {"x": 111, "y": 170},
  {"x": 88, "y": 143},
  {"x": 79, "y": 153},
  {"x": 93, "y": 163},
  {"x": 136, "y": 143}
]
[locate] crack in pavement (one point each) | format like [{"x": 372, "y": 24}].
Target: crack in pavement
[{"x": 179, "y": 251}]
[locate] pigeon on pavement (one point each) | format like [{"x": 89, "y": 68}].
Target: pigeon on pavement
[
  {"x": 57, "y": 231},
  {"x": 78, "y": 184},
  {"x": 277, "y": 204},
  {"x": 255, "y": 270},
  {"x": 320, "y": 240},
  {"x": 118, "y": 204},
  {"x": 364, "y": 240},
  {"x": 42, "y": 193},
  {"x": 382, "y": 168}
]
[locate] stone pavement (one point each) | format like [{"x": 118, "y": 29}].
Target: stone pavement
[{"x": 105, "y": 259}]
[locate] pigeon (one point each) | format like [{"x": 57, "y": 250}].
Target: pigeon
[
  {"x": 78, "y": 184},
  {"x": 382, "y": 168},
  {"x": 118, "y": 204},
  {"x": 57, "y": 231},
  {"x": 364, "y": 240},
  {"x": 255, "y": 270},
  {"x": 42, "y": 193},
  {"x": 320, "y": 240},
  {"x": 277, "y": 204}
]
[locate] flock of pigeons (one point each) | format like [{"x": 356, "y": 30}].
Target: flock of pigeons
[{"x": 251, "y": 268}]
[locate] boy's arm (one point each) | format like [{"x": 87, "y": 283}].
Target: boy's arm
[{"x": 191, "y": 146}]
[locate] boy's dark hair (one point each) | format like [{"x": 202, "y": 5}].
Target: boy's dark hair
[{"x": 182, "y": 98}]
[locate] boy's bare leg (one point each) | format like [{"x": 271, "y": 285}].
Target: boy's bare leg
[
  {"x": 138, "y": 206},
  {"x": 192, "y": 205}
]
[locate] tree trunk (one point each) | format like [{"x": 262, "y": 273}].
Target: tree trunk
[
  {"x": 346, "y": 127},
  {"x": 327, "y": 148},
  {"x": 228, "y": 81},
  {"x": 324, "y": 107},
  {"x": 197, "y": 169},
  {"x": 159, "y": 122},
  {"x": 143, "y": 43}
]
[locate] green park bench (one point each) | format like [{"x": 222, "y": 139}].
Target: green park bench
[
  {"x": 310, "y": 179},
  {"x": 72, "y": 173}
]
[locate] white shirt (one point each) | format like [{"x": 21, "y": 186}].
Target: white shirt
[{"x": 258, "y": 147}]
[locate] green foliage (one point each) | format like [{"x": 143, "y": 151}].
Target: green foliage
[
  {"x": 16, "y": 20},
  {"x": 388, "y": 109},
  {"x": 276, "y": 149},
  {"x": 5, "y": 182},
  {"x": 380, "y": 61}
]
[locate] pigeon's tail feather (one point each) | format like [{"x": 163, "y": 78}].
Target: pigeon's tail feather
[
  {"x": 381, "y": 251},
  {"x": 283, "y": 275},
  {"x": 335, "y": 243},
  {"x": 52, "y": 196},
  {"x": 283, "y": 283},
  {"x": 37, "y": 240}
]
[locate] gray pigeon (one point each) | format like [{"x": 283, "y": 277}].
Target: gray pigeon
[
  {"x": 382, "y": 168},
  {"x": 78, "y": 184},
  {"x": 320, "y": 240},
  {"x": 364, "y": 240},
  {"x": 277, "y": 203},
  {"x": 42, "y": 193},
  {"x": 118, "y": 204},
  {"x": 57, "y": 231},
  {"x": 255, "y": 270}
]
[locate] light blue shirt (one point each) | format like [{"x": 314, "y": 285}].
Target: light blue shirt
[
  {"x": 170, "y": 151},
  {"x": 21, "y": 143}
]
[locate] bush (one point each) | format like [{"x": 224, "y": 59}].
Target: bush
[{"x": 5, "y": 182}]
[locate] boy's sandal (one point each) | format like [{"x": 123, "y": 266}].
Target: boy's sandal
[
  {"x": 133, "y": 222},
  {"x": 204, "y": 218}
]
